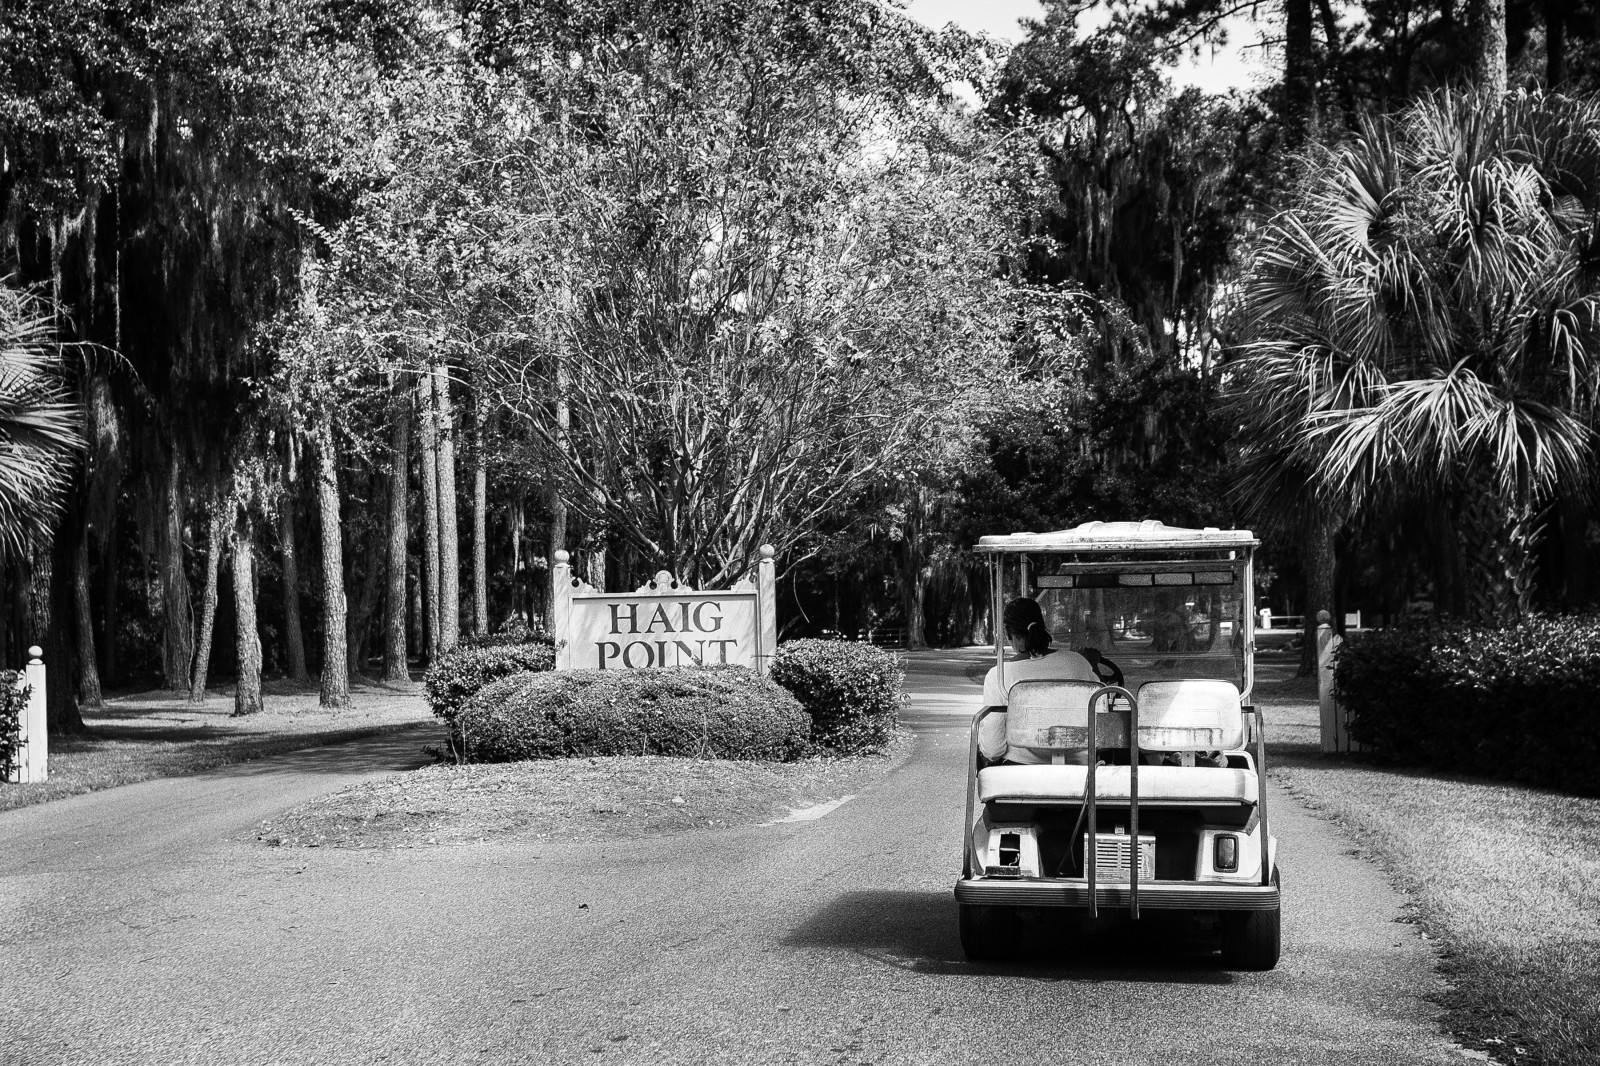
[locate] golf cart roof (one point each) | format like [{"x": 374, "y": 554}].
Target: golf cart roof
[{"x": 1121, "y": 537}]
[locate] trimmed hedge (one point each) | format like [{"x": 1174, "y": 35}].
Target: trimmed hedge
[
  {"x": 721, "y": 712},
  {"x": 1521, "y": 704},
  {"x": 458, "y": 675},
  {"x": 851, "y": 691},
  {"x": 13, "y": 701}
]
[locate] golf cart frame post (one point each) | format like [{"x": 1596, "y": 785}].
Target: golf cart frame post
[{"x": 1150, "y": 559}]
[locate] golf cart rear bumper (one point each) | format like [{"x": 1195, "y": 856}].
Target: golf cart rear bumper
[{"x": 1159, "y": 896}]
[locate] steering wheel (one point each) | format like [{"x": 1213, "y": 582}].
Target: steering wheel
[{"x": 1103, "y": 668}]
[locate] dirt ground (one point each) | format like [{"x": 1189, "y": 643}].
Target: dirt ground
[
  {"x": 570, "y": 799},
  {"x": 144, "y": 735}
]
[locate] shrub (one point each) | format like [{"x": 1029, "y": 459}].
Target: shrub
[
  {"x": 724, "y": 712},
  {"x": 457, "y": 675},
  {"x": 851, "y": 691},
  {"x": 515, "y": 631},
  {"x": 13, "y": 700},
  {"x": 1518, "y": 703}
]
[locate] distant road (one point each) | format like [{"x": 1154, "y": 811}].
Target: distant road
[{"x": 145, "y": 925}]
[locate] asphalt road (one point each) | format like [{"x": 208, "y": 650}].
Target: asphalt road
[{"x": 145, "y": 925}]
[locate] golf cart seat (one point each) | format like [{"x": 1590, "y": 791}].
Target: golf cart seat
[
  {"x": 1050, "y": 717},
  {"x": 1159, "y": 786}
]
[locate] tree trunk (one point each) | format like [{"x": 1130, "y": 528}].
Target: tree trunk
[
  {"x": 449, "y": 535},
  {"x": 48, "y": 609},
  {"x": 247, "y": 642},
  {"x": 1576, "y": 565},
  {"x": 914, "y": 590},
  {"x": 394, "y": 618},
  {"x": 558, "y": 502},
  {"x": 110, "y": 558},
  {"x": 1519, "y": 557},
  {"x": 335, "y": 667},
  {"x": 372, "y": 583},
  {"x": 1555, "y": 44},
  {"x": 1489, "y": 595},
  {"x": 217, "y": 526},
  {"x": 1319, "y": 564},
  {"x": 293, "y": 631},
  {"x": 49, "y": 598},
  {"x": 417, "y": 621},
  {"x": 520, "y": 608},
  {"x": 597, "y": 563},
  {"x": 88, "y": 673},
  {"x": 1299, "y": 72},
  {"x": 1486, "y": 35},
  {"x": 428, "y": 473},
  {"x": 480, "y": 513},
  {"x": 178, "y": 622}
]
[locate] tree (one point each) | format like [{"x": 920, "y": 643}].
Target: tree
[
  {"x": 41, "y": 430},
  {"x": 1486, "y": 31},
  {"x": 779, "y": 262},
  {"x": 1425, "y": 324}
]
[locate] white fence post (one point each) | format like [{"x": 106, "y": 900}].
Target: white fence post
[
  {"x": 766, "y": 611},
  {"x": 561, "y": 608},
  {"x": 33, "y": 752},
  {"x": 1334, "y": 735}
]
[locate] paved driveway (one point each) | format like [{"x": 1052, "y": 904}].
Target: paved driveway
[{"x": 146, "y": 925}]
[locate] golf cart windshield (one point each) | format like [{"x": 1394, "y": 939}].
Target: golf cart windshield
[
  {"x": 1158, "y": 621},
  {"x": 1162, "y": 603}
]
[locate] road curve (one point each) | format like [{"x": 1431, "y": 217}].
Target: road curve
[{"x": 145, "y": 925}]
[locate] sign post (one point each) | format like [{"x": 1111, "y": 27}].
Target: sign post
[{"x": 664, "y": 622}]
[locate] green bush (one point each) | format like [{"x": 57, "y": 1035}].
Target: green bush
[
  {"x": 714, "y": 712},
  {"x": 457, "y": 675},
  {"x": 13, "y": 700},
  {"x": 1519, "y": 704},
  {"x": 515, "y": 631},
  {"x": 851, "y": 691}
]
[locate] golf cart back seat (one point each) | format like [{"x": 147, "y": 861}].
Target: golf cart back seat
[
  {"x": 1051, "y": 718},
  {"x": 1175, "y": 786}
]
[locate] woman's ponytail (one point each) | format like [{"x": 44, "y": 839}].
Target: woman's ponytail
[{"x": 1022, "y": 615}]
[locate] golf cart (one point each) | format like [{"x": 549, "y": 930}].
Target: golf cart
[{"x": 1143, "y": 793}]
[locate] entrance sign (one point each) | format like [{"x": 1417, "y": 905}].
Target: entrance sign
[{"x": 664, "y": 623}]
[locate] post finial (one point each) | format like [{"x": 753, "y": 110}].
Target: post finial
[
  {"x": 562, "y": 556},
  {"x": 36, "y": 654},
  {"x": 767, "y": 552}
]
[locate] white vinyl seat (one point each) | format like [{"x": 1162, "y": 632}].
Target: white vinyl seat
[
  {"x": 1158, "y": 785},
  {"x": 1190, "y": 715},
  {"x": 1174, "y": 716}
]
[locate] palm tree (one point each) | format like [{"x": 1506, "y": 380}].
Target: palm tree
[
  {"x": 40, "y": 425},
  {"x": 1424, "y": 324}
]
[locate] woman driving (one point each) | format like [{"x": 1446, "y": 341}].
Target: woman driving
[{"x": 1034, "y": 658}]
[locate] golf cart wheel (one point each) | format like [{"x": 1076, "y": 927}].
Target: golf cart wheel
[
  {"x": 1251, "y": 940},
  {"x": 986, "y": 932}
]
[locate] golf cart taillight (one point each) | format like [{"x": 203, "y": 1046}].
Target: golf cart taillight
[{"x": 1226, "y": 855}]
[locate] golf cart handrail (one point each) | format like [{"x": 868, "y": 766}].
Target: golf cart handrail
[
  {"x": 972, "y": 787},
  {"x": 1089, "y": 857}
]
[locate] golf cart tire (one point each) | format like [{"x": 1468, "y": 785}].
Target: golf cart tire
[
  {"x": 1252, "y": 940},
  {"x": 987, "y": 932}
]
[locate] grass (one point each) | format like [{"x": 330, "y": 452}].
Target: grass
[
  {"x": 572, "y": 799},
  {"x": 1505, "y": 878},
  {"x": 156, "y": 734}
]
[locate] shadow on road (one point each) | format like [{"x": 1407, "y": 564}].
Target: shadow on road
[{"x": 917, "y": 931}]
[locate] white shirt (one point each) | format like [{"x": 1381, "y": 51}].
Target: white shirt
[{"x": 1056, "y": 665}]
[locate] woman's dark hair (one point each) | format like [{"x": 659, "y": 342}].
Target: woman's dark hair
[{"x": 1022, "y": 615}]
